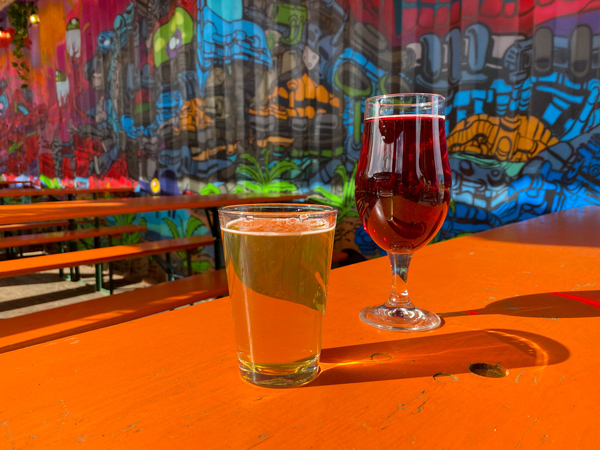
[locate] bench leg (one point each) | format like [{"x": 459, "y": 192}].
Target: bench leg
[
  {"x": 188, "y": 257},
  {"x": 213, "y": 221},
  {"x": 111, "y": 287},
  {"x": 61, "y": 272},
  {"x": 72, "y": 248},
  {"x": 9, "y": 250},
  {"x": 169, "y": 270},
  {"x": 100, "y": 280},
  {"x": 98, "y": 269}
]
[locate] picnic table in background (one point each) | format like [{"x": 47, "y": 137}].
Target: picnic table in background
[
  {"x": 520, "y": 301},
  {"x": 8, "y": 183},
  {"x": 54, "y": 194},
  {"x": 77, "y": 209},
  {"x": 108, "y": 207},
  {"x": 69, "y": 192}
]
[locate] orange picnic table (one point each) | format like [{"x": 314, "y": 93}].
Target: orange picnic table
[
  {"x": 523, "y": 298},
  {"x": 76, "y": 209},
  {"x": 100, "y": 208},
  {"x": 7, "y": 183},
  {"x": 30, "y": 192}
]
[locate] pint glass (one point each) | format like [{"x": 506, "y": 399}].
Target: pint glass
[{"x": 278, "y": 259}]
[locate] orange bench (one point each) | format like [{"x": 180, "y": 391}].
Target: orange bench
[
  {"x": 8, "y": 230},
  {"x": 43, "y": 326},
  {"x": 36, "y": 264},
  {"x": 7, "y": 183},
  {"x": 69, "y": 235},
  {"x": 338, "y": 257},
  {"x": 33, "y": 226}
]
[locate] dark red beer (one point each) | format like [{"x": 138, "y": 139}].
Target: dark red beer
[{"x": 403, "y": 180}]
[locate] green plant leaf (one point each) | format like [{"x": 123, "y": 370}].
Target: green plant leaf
[
  {"x": 18, "y": 14},
  {"x": 131, "y": 238},
  {"x": 281, "y": 186},
  {"x": 330, "y": 196},
  {"x": 172, "y": 227},
  {"x": 201, "y": 266},
  {"x": 280, "y": 168},
  {"x": 341, "y": 171},
  {"x": 249, "y": 171},
  {"x": 250, "y": 158},
  {"x": 254, "y": 187},
  {"x": 210, "y": 189},
  {"x": 193, "y": 224}
]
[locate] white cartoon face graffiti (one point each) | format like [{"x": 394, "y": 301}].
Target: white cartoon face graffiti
[
  {"x": 73, "y": 38},
  {"x": 310, "y": 58}
]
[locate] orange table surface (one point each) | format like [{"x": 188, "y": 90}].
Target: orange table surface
[
  {"x": 524, "y": 296},
  {"x": 30, "y": 192},
  {"x": 97, "y": 208}
]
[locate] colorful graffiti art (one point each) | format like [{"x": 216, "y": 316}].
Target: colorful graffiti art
[{"x": 207, "y": 96}]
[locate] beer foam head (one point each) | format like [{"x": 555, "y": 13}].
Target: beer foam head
[{"x": 278, "y": 226}]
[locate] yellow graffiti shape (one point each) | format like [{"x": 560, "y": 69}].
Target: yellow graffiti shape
[
  {"x": 301, "y": 97},
  {"x": 192, "y": 117},
  {"x": 199, "y": 154},
  {"x": 516, "y": 139}
]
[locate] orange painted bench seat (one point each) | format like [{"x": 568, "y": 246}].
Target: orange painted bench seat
[
  {"x": 33, "y": 226},
  {"x": 338, "y": 256},
  {"x": 29, "y": 192},
  {"x": 42, "y": 326},
  {"x": 6, "y": 183},
  {"x": 69, "y": 235},
  {"x": 100, "y": 255}
]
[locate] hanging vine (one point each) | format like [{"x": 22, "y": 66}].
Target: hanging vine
[{"x": 18, "y": 15}]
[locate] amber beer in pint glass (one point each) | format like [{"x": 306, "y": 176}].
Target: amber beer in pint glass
[{"x": 278, "y": 259}]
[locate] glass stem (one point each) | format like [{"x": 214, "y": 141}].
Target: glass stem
[{"x": 399, "y": 297}]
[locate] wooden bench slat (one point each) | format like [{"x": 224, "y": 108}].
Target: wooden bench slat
[
  {"x": 35, "y": 264},
  {"x": 43, "y": 326},
  {"x": 70, "y": 235},
  {"x": 338, "y": 257},
  {"x": 34, "y": 225}
]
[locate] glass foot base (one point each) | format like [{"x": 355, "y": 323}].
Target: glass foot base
[
  {"x": 280, "y": 375},
  {"x": 400, "y": 319}
]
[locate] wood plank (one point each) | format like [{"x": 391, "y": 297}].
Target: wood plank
[
  {"x": 98, "y": 208},
  {"x": 6, "y": 183},
  {"x": 36, "y": 264},
  {"x": 69, "y": 235},
  {"x": 338, "y": 256},
  {"x": 30, "y": 192},
  {"x": 43, "y": 326},
  {"x": 34, "y": 225}
]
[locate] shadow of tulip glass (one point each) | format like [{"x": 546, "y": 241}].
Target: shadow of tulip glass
[
  {"x": 551, "y": 305},
  {"x": 427, "y": 356}
]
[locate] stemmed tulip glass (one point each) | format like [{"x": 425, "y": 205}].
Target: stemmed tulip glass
[{"x": 403, "y": 193}]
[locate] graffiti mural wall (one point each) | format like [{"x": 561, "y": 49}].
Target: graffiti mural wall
[{"x": 207, "y": 96}]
